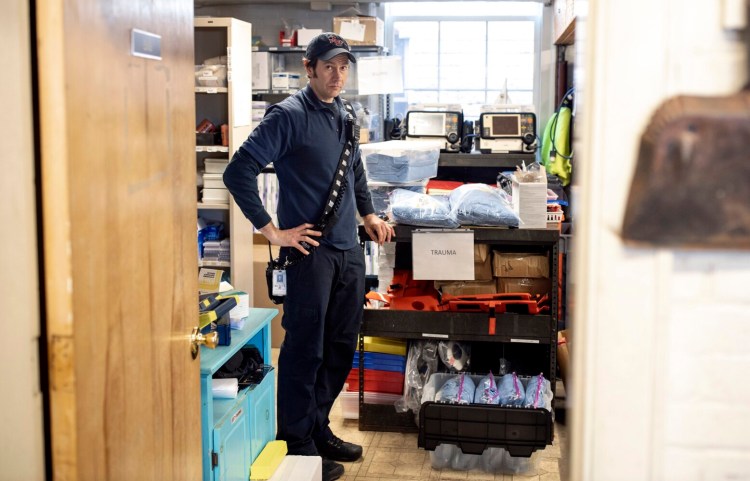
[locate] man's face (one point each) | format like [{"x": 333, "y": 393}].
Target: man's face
[{"x": 329, "y": 77}]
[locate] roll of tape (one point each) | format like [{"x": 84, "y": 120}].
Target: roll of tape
[{"x": 454, "y": 354}]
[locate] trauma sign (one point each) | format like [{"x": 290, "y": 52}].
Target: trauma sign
[{"x": 443, "y": 255}]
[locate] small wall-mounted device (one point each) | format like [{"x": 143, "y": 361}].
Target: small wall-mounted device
[
  {"x": 436, "y": 125},
  {"x": 507, "y": 132}
]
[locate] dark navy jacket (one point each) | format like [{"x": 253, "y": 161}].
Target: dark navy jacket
[{"x": 304, "y": 142}]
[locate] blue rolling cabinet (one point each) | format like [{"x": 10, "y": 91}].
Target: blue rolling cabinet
[{"x": 235, "y": 431}]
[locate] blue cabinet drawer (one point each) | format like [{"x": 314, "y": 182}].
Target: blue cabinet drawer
[
  {"x": 232, "y": 439},
  {"x": 263, "y": 420}
]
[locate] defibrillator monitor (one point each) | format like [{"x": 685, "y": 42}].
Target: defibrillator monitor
[
  {"x": 433, "y": 125},
  {"x": 507, "y": 132}
]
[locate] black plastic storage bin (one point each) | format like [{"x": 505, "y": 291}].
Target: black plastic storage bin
[{"x": 475, "y": 427}]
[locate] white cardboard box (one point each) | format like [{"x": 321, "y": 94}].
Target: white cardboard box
[
  {"x": 261, "y": 71},
  {"x": 299, "y": 468},
  {"x": 305, "y": 35},
  {"x": 443, "y": 254},
  {"x": 284, "y": 80},
  {"x": 215, "y": 166},
  {"x": 530, "y": 204}
]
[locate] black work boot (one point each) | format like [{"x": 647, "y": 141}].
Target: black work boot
[
  {"x": 332, "y": 470},
  {"x": 338, "y": 450}
]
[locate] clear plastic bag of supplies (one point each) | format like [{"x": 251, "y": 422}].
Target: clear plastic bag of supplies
[
  {"x": 458, "y": 389},
  {"x": 487, "y": 391},
  {"x": 421, "y": 363},
  {"x": 412, "y": 208},
  {"x": 455, "y": 355},
  {"x": 512, "y": 392},
  {"x": 481, "y": 204},
  {"x": 538, "y": 393}
]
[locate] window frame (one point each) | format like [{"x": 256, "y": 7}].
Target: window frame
[{"x": 537, "y": 21}]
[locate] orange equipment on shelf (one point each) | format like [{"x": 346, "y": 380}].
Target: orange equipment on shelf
[{"x": 406, "y": 294}]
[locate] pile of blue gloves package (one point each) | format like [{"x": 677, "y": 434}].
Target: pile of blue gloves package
[{"x": 508, "y": 390}]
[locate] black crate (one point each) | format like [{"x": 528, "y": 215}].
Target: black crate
[{"x": 475, "y": 427}]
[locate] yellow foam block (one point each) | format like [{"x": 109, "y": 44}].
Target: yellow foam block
[{"x": 268, "y": 460}]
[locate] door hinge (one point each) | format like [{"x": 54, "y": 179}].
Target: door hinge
[{"x": 214, "y": 459}]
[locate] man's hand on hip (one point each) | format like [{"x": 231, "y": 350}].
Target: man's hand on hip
[
  {"x": 291, "y": 237},
  {"x": 378, "y": 230}
]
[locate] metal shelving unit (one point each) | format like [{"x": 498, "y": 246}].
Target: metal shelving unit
[{"x": 532, "y": 334}]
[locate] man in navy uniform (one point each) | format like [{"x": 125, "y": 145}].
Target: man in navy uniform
[{"x": 304, "y": 136}]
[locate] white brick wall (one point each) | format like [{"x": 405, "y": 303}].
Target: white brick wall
[{"x": 662, "y": 336}]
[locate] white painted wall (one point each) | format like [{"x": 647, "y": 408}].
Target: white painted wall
[
  {"x": 661, "y": 339},
  {"x": 21, "y": 435}
]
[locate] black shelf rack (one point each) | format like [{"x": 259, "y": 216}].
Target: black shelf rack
[
  {"x": 523, "y": 430},
  {"x": 476, "y": 159}
]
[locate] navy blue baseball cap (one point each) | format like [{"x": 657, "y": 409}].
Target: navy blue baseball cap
[{"x": 326, "y": 46}]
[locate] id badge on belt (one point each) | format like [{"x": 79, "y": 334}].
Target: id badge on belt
[{"x": 279, "y": 282}]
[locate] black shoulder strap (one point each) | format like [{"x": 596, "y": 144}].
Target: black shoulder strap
[{"x": 338, "y": 186}]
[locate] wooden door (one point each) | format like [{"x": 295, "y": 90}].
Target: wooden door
[{"x": 119, "y": 239}]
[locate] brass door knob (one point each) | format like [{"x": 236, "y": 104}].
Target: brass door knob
[{"x": 209, "y": 340}]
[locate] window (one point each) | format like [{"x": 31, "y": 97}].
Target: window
[{"x": 466, "y": 53}]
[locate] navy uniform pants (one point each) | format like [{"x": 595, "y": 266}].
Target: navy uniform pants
[{"x": 322, "y": 315}]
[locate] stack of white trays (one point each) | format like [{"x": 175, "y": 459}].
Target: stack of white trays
[{"x": 214, "y": 190}]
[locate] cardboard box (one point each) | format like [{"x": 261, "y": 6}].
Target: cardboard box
[
  {"x": 360, "y": 30},
  {"x": 466, "y": 288},
  {"x": 512, "y": 264},
  {"x": 537, "y": 286},
  {"x": 482, "y": 262},
  {"x": 529, "y": 200},
  {"x": 261, "y": 71},
  {"x": 305, "y": 35},
  {"x": 288, "y": 80},
  {"x": 563, "y": 355}
]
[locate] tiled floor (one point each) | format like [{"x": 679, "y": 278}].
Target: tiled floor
[{"x": 396, "y": 457}]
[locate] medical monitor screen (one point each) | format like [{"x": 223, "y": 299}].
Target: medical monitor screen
[
  {"x": 426, "y": 124},
  {"x": 505, "y": 125}
]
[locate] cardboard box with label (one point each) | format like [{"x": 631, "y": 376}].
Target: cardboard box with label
[
  {"x": 284, "y": 80},
  {"x": 529, "y": 200},
  {"x": 466, "y": 288},
  {"x": 482, "y": 262},
  {"x": 537, "y": 286},
  {"x": 512, "y": 264},
  {"x": 360, "y": 30}
]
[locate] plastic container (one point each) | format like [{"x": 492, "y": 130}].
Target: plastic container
[
  {"x": 401, "y": 160},
  {"x": 211, "y": 75},
  {"x": 213, "y": 181},
  {"x": 350, "y": 401},
  {"x": 215, "y": 166},
  {"x": 385, "y": 345},
  {"x": 475, "y": 427},
  {"x": 379, "y": 191},
  {"x": 378, "y": 381},
  {"x": 382, "y": 362},
  {"x": 211, "y": 196}
]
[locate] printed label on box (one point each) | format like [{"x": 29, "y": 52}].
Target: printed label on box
[
  {"x": 353, "y": 31},
  {"x": 443, "y": 255}
]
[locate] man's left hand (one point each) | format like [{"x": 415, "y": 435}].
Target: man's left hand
[{"x": 378, "y": 230}]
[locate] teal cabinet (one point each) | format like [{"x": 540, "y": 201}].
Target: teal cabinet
[{"x": 235, "y": 431}]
